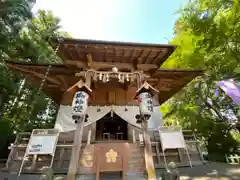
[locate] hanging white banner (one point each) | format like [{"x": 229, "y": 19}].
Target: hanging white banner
[
  {"x": 44, "y": 144},
  {"x": 64, "y": 121}
]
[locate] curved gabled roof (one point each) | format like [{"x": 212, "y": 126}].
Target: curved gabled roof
[
  {"x": 79, "y": 55},
  {"x": 61, "y": 77},
  {"x": 146, "y": 56}
]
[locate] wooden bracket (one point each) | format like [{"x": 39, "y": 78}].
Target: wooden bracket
[
  {"x": 36, "y": 74},
  {"x": 79, "y": 85}
]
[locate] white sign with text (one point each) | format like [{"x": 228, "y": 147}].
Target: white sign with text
[
  {"x": 42, "y": 144},
  {"x": 172, "y": 140}
]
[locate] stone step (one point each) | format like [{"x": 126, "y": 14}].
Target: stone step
[{"x": 112, "y": 176}]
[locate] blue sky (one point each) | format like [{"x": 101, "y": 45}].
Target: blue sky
[{"x": 149, "y": 21}]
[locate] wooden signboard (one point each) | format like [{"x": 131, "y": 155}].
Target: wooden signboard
[
  {"x": 86, "y": 162},
  {"x": 42, "y": 142},
  {"x": 112, "y": 157}
]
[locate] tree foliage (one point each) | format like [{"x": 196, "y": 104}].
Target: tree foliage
[
  {"x": 24, "y": 38},
  {"x": 207, "y": 34}
]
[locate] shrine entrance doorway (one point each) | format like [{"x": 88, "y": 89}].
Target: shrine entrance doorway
[{"x": 111, "y": 127}]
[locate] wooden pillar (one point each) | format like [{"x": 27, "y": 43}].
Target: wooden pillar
[
  {"x": 60, "y": 161},
  {"x": 12, "y": 152},
  {"x": 77, "y": 144},
  {"x": 134, "y": 135},
  {"x": 89, "y": 136},
  {"x": 148, "y": 152},
  {"x": 141, "y": 138},
  {"x": 93, "y": 127},
  {"x": 75, "y": 156}
]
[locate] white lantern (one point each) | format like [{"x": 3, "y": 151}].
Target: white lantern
[
  {"x": 145, "y": 103},
  {"x": 80, "y": 103}
]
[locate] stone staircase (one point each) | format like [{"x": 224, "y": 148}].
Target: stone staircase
[
  {"x": 112, "y": 176},
  {"x": 136, "y": 162},
  {"x": 136, "y": 166}
]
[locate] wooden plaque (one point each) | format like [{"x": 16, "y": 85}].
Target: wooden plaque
[{"x": 112, "y": 157}]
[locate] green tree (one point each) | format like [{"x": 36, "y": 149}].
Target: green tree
[
  {"x": 22, "y": 106},
  {"x": 13, "y": 15},
  {"x": 30, "y": 105},
  {"x": 207, "y": 33}
]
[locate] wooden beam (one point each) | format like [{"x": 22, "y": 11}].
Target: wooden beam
[
  {"x": 105, "y": 54},
  {"x": 160, "y": 55},
  {"x": 119, "y": 45},
  {"x": 139, "y": 56},
  {"x": 123, "y": 55},
  {"x": 146, "y": 58},
  {"x": 132, "y": 52},
  {"x": 78, "y": 64},
  {"x": 78, "y": 85},
  {"x": 63, "y": 81},
  {"x": 38, "y": 75},
  {"x": 79, "y": 54},
  {"x": 68, "y": 49},
  {"x": 53, "y": 86},
  {"x": 115, "y": 53},
  {"x": 167, "y": 84},
  {"x": 137, "y": 61},
  {"x": 157, "y": 55},
  {"x": 100, "y": 65}
]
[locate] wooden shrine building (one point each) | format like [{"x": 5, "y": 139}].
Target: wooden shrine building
[{"x": 111, "y": 138}]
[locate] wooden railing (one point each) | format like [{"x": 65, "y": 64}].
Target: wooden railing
[
  {"x": 64, "y": 147},
  {"x": 177, "y": 155},
  {"x": 233, "y": 159}
]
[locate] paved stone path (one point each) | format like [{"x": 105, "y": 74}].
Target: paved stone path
[{"x": 210, "y": 171}]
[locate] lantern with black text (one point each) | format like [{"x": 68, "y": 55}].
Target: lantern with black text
[
  {"x": 80, "y": 100},
  {"x": 145, "y": 104},
  {"x": 145, "y": 100},
  {"x": 80, "y": 104}
]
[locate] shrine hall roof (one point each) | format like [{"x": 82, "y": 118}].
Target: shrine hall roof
[
  {"x": 61, "y": 77},
  {"x": 80, "y": 55},
  {"x": 149, "y": 56}
]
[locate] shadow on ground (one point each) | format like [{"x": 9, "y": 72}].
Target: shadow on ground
[{"x": 209, "y": 171}]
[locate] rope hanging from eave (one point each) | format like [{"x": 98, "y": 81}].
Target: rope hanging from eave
[{"x": 60, "y": 40}]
